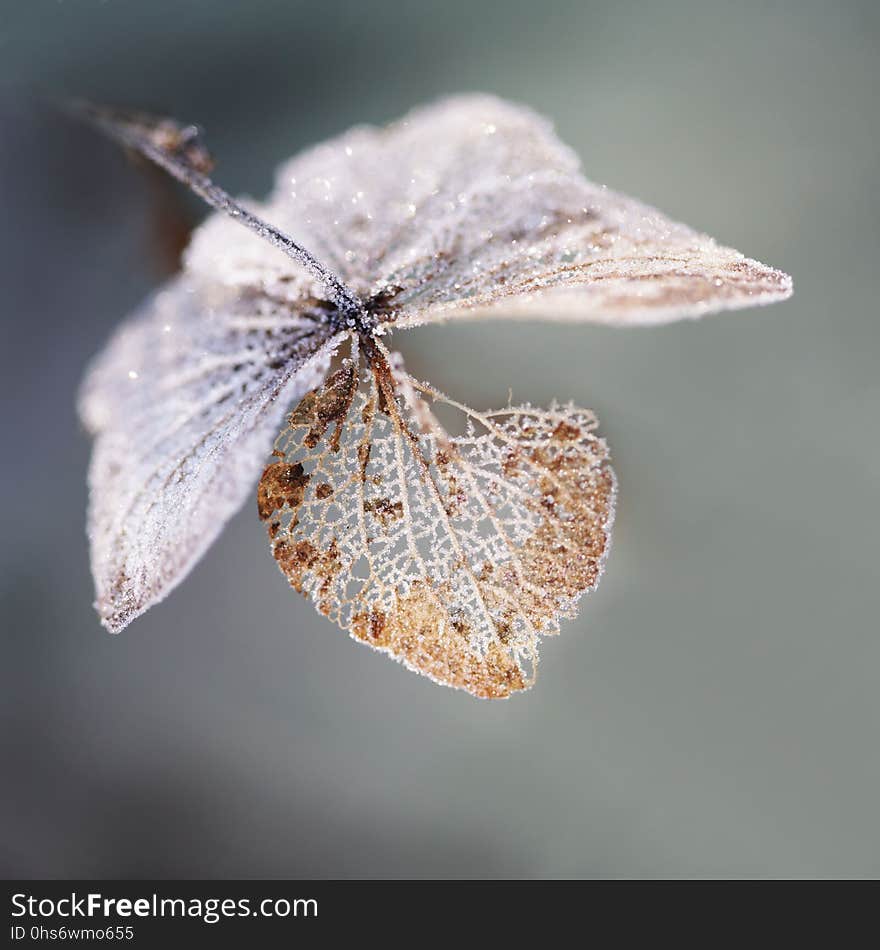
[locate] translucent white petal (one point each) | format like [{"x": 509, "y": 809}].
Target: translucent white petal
[
  {"x": 473, "y": 208},
  {"x": 183, "y": 404}
]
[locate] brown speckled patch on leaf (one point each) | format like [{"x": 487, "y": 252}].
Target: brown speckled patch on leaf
[
  {"x": 384, "y": 510},
  {"x": 326, "y": 406},
  {"x": 417, "y": 632},
  {"x": 453, "y": 555},
  {"x": 281, "y": 484}
]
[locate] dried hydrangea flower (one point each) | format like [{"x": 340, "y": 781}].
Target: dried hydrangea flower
[{"x": 453, "y": 554}]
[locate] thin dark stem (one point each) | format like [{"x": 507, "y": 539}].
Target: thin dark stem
[{"x": 177, "y": 150}]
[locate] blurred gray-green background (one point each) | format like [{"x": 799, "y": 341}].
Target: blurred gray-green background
[{"x": 713, "y": 711}]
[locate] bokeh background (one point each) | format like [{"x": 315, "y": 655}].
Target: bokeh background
[{"x": 714, "y": 710}]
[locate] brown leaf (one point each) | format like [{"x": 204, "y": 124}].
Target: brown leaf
[{"x": 451, "y": 554}]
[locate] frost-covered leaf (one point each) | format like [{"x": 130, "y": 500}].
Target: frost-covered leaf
[
  {"x": 453, "y": 554},
  {"x": 184, "y": 403},
  {"x": 472, "y": 208},
  {"x": 451, "y": 549}
]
